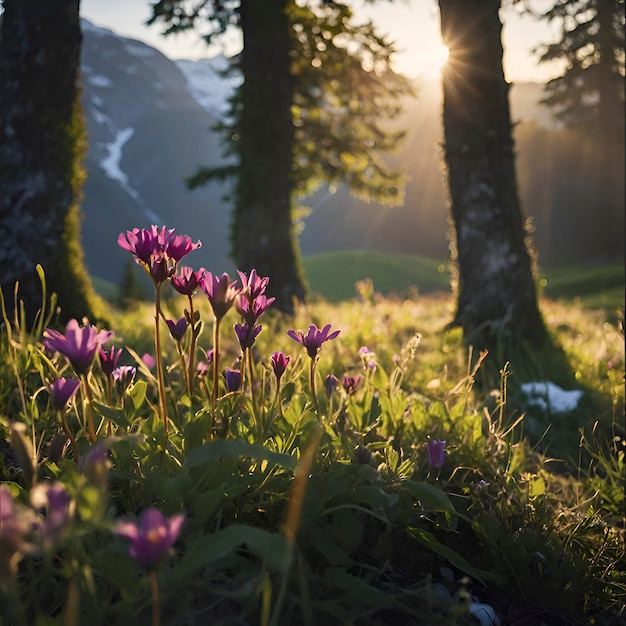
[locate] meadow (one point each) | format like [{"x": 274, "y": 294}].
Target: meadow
[{"x": 188, "y": 471}]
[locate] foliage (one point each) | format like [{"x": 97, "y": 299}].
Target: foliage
[
  {"x": 590, "y": 92},
  {"x": 302, "y": 507}
]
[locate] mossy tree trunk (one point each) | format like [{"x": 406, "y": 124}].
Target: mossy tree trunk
[
  {"x": 495, "y": 290},
  {"x": 42, "y": 143},
  {"x": 263, "y": 231}
]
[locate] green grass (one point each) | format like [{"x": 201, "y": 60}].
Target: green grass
[{"x": 333, "y": 275}]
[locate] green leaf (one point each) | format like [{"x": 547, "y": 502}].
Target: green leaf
[
  {"x": 374, "y": 496},
  {"x": 112, "y": 414},
  {"x": 454, "y": 558},
  {"x": 273, "y": 548},
  {"x": 214, "y": 450},
  {"x": 432, "y": 498}
]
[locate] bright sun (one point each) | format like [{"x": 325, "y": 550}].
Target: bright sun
[{"x": 429, "y": 62}]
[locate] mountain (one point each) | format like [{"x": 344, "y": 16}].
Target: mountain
[
  {"x": 149, "y": 123},
  {"x": 145, "y": 133}
]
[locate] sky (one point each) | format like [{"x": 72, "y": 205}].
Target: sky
[{"x": 412, "y": 24}]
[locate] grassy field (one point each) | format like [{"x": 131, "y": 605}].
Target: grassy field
[{"x": 306, "y": 506}]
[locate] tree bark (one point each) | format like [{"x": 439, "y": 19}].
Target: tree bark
[
  {"x": 263, "y": 231},
  {"x": 495, "y": 287},
  {"x": 41, "y": 146}
]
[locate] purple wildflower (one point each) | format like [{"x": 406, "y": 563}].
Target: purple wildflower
[
  {"x": 350, "y": 383},
  {"x": 62, "y": 391},
  {"x": 108, "y": 360},
  {"x": 78, "y": 345},
  {"x": 152, "y": 538},
  {"x": 330, "y": 384},
  {"x": 157, "y": 250},
  {"x": 124, "y": 375},
  {"x": 251, "y": 310},
  {"x": 314, "y": 339},
  {"x": 253, "y": 286},
  {"x": 56, "y": 501},
  {"x": 233, "y": 379},
  {"x": 220, "y": 292},
  {"x": 247, "y": 334},
  {"x": 177, "y": 329},
  {"x": 15, "y": 522},
  {"x": 435, "y": 450},
  {"x": 187, "y": 281},
  {"x": 279, "y": 363},
  {"x": 148, "y": 360}
]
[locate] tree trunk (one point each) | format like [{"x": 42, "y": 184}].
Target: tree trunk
[
  {"x": 263, "y": 232},
  {"x": 41, "y": 146},
  {"x": 495, "y": 290}
]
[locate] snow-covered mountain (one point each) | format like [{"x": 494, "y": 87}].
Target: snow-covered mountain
[{"x": 146, "y": 132}]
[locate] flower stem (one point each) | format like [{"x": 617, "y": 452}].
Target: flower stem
[
  {"x": 88, "y": 401},
  {"x": 159, "y": 359},
  {"x": 70, "y": 436},
  {"x": 156, "y": 609},
  {"x": 216, "y": 362},
  {"x": 314, "y": 389},
  {"x": 192, "y": 347}
]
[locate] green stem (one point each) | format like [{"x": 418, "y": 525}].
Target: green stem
[
  {"x": 159, "y": 359},
  {"x": 192, "y": 348},
  {"x": 216, "y": 362},
  {"x": 88, "y": 401},
  {"x": 70, "y": 436},
  {"x": 156, "y": 609},
  {"x": 314, "y": 389}
]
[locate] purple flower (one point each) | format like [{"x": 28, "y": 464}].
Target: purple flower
[
  {"x": 14, "y": 524},
  {"x": 251, "y": 310},
  {"x": 350, "y": 383},
  {"x": 436, "y": 452},
  {"x": 220, "y": 292},
  {"x": 247, "y": 334},
  {"x": 148, "y": 360},
  {"x": 62, "y": 391},
  {"x": 253, "y": 285},
  {"x": 233, "y": 379},
  {"x": 314, "y": 339},
  {"x": 177, "y": 329},
  {"x": 56, "y": 501},
  {"x": 152, "y": 538},
  {"x": 124, "y": 375},
  {"x": 108, "y": 360},
  {"x": 187, "y": 281},
  {"x": 279, "y": 363},
  {"x": 96, "y": 465},
  {"x": 158, "y": 250},
  {"x": 78, "y": 345},
  {"x": 180, "y": 246},
  {"x": 330, "y": 384},
  {"x": 143, "y": 243}
]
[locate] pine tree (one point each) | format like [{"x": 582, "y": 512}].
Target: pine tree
[
  {"x": 589, "y": 98},
  {"x": 307, "y": 113}
]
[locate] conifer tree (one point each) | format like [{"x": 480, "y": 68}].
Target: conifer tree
[
  {"x": 306, "y": 113},
  {"x": 588, "y": 97}
]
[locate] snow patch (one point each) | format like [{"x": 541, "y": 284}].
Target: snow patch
[
  {"x": 98, "y": 80},
  {"x": 207, "y": 86},
  {"x": 111, "y": 163},
  {"x": 551, "y": 397}
]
